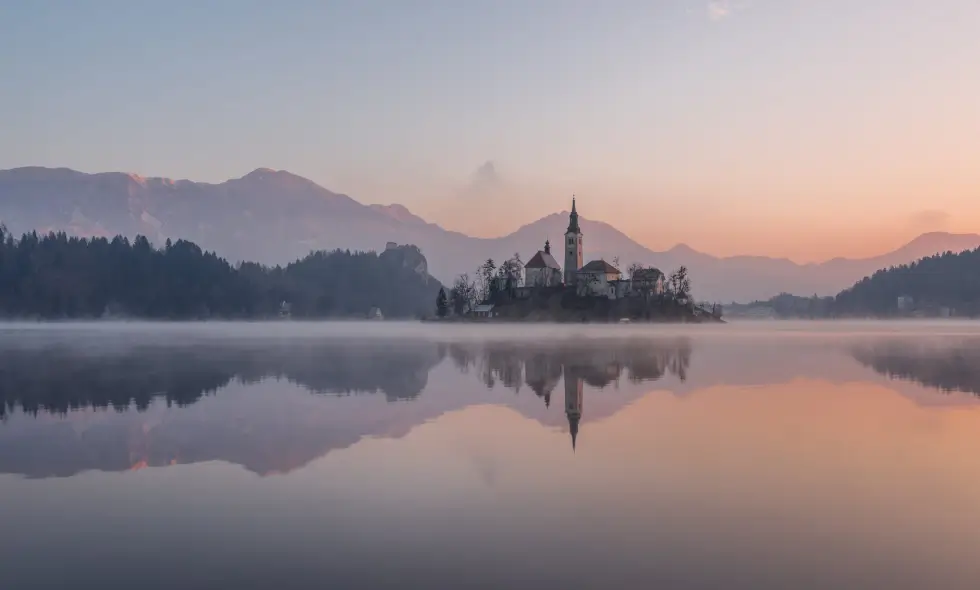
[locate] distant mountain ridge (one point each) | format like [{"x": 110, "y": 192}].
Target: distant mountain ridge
[{"x": 274, "y": 217}]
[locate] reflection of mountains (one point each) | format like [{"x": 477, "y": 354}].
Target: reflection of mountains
[
  {"x": 948, "y": 367},
  {"x": 256, "y": 422}
]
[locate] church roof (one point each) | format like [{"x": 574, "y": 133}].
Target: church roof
[
  {"x": 600, "y": 266},
  {"x": 542, "y": 260}
]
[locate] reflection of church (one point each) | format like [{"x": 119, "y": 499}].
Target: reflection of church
[
  {"x": 574, "y": 396},
  {"x": 544, "y": 365}
]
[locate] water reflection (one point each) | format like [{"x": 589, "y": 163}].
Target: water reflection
[
  {"x": 160, "y": 405},
  {"x": 747, "y": 462},
  {"x": 131, "y": 406},
  {"x": 945, "y": 366}
]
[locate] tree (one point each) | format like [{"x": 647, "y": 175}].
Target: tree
[
  {"x": 57, "y": 276},
  {"x": 633, "y": 269},
  {"x": 463, "y": 295},
  {"x": 679, "y": 285},
  {"x": 512, "y": 272},
  {"x": 486, "y": 272},
  {"x": 615, "y": 261},
  {"x": 442, "y": 303}
]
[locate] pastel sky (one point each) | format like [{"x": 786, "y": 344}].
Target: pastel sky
[{"x": 799, "y": 128}]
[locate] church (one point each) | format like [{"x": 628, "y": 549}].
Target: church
[{"x": 597, "y": 278}]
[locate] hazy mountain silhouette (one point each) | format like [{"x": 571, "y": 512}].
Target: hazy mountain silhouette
[{"x": 274, "y": 216}]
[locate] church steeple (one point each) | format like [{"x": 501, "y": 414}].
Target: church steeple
[
  {"x": 573, "y": 428},
  {"x": 573, "y": 247},
  {"x": 573, "y": 219},
  {"x": 573, "y": 403},
  {"x": 547, "y": 246}
]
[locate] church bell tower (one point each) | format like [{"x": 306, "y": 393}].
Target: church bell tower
[{"x": 573, "y": 246}]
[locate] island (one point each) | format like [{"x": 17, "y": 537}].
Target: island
[{"x": 541, "y": 290}]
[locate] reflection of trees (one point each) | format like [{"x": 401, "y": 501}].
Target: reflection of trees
[
  {"x": 598, "y": 363},
  {"x": 60, "y": 379},
  {"x": 946, "y": 368}
]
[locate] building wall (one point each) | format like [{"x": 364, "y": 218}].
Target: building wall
[
  {"x": 573, "y": 256},
  {"x": 596, "y": 284},
  {"x": 543, "y": 277}
]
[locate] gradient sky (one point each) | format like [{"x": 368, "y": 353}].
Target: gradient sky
[{"x": 798, "y": 128}]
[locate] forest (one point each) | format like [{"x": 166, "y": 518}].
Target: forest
[
  {"x": 60, "y": 277},
  {"x": 946, "y": 284},
  {"x": 946, "y": 280}
]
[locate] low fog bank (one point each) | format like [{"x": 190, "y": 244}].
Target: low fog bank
[{"x": 96, "y": 337}]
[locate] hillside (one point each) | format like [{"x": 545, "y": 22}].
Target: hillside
[
  {"x": 60, "y": 277},
  {"x": 272, "y": 217},
  {"x": 943, "y": 281}
]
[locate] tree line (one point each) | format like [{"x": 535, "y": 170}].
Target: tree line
[
  {"x": 57, "y": 276},
  {"x": 947, "y": 281}
]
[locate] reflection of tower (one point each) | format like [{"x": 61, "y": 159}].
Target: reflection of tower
[{"x": 573, "y": 403}]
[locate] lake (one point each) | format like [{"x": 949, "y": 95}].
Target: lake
[{"x": 754, "y": 456}]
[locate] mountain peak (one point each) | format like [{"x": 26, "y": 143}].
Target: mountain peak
[
  {"x": 260, "y": 173},
  {"x": 399, "y": 213},
  {"x": 279, "y": 178},
  {"x": 938, "y": 241}
]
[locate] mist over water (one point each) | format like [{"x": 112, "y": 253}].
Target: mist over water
[{"x": 384, "y": 454}]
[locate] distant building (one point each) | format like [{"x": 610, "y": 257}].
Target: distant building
[
  {"x": 375, "y": 314},
  {"x": 906, "y": 303},
  {"x": 543, "y": 270},
  {"x": 598, "y": 278},
  {"x": 285, "y": 310},
  {"x": 647, "y": 280},
  {"x": 483, "y": 311}
]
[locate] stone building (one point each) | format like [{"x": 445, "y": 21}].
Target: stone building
[{"x": 543, "y": 270}]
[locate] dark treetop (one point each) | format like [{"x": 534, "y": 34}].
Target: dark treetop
[{"x": 56, "y": 276}]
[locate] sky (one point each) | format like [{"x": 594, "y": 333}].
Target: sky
[{"x": 799, "y": 128}]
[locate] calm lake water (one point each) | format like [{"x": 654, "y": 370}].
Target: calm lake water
[{"x": 380, "y": 455}]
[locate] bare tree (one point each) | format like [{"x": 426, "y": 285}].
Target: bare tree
[
  {"x": 486, "y": 272},
  {"x": 463, "y": 295},
  {"x": 679, "y": 285}
]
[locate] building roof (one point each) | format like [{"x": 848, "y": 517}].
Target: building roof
[
  {"x": 484, "y": 308},
  {"x": 600, "y": 266},
  {"x": 542, "y": 260}
]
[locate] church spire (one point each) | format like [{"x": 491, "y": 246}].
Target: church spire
[
  {"x": 573, "y": 428},
  {"x": 573, "y": 219}
]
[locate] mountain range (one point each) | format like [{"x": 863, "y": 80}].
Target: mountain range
[{"x": 273, "y": 217}]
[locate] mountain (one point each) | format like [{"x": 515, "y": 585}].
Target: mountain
[{"x": 274, "y": 217}]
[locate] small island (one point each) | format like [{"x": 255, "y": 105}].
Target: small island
[{"x": 541, "y": 291}]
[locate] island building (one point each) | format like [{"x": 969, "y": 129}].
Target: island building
[{"x": 596, "y": 278}]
